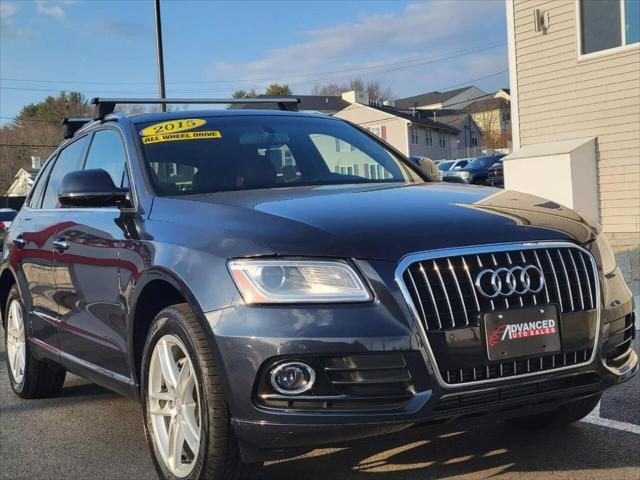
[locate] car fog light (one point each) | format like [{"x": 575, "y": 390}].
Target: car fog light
[{"x": 292, "y": 378}]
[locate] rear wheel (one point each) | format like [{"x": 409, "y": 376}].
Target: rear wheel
[
  {"x": 29, "y": 377},
  {"x": 562, "y": 416},
  {"x": 186, "y": 417}
]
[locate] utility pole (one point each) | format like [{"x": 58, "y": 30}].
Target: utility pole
[{"x": 160, "y": 55}]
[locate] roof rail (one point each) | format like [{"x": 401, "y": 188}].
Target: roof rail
[
  {"x": 72, "y": 125},
  {"x": 105, "y": 106}
]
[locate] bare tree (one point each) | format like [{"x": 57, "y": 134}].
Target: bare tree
[
  {"x": 487, "y": 113},
  {"x": 375, "y": 91},
  {"x": 331, "y": 89}
]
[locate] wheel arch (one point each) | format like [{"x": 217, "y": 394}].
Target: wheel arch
[
  {"x": 156, "y": 290},
  {"x": 7, "y": 280}
]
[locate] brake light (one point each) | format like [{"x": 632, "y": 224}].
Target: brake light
[{"x": 2, "y": 226}]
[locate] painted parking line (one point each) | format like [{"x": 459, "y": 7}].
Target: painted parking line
[{"x": 595, "y": 419}]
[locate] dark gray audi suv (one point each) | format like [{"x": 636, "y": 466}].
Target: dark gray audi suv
[{"x": 265, "y": 282}]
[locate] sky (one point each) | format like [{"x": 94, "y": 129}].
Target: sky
[{"x": 211, "y": 48}]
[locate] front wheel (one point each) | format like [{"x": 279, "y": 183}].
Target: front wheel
[
  {"x": 561, "y": 416},
  {"x": 185, "y": 413}
]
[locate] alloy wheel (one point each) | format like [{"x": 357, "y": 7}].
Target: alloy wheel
[
  {"x": 16, "y": 348},
  {"x": 174, "y": 406}
]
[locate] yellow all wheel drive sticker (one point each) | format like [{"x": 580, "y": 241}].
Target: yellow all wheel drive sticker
[
  {"x": 173, "y": 126},
  {"x": 173, "y": 137}
]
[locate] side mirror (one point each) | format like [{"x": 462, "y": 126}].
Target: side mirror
[
  {"x": 429, "y": 167},
  {"x": 90, "y": 188}
]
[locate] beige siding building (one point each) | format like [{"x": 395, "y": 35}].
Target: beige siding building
[
  {"x": 411, "y": 135},
  {"x": 575, "y": 75}
]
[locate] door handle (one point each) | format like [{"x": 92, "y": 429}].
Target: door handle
[
  {"x": 19, "y": 242},
  {"x": 60, "y": 245}
]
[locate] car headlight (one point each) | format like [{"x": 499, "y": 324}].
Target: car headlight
[
  {"x": 604, "y": 254},
  {"x": 297, "y": 281},
  {"x": 463, "y": 175}
]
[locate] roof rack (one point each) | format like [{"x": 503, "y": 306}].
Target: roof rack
[
  {"x": 105, "y": 106},
  {"x": 72, "y": 125}
]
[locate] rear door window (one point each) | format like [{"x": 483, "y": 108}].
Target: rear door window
[
  {"x": 69, "y": 160},
  {"x": 36, "y": 193}
]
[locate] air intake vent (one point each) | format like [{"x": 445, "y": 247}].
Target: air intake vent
[
  {"x": 619, "y": 343},
  {"x": 514, "y": 368}
]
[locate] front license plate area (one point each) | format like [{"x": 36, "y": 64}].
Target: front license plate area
[{"x": 520, "y": 333}]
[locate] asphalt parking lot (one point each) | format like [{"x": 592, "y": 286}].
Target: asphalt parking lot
[{"x": 93, "y": 433}]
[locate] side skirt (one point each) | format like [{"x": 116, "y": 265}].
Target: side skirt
[{"x": 87, "y": 370}]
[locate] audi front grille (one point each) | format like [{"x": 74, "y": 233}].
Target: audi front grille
[{"x": 450, "y": 290}]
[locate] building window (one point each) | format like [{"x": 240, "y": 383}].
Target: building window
[
  {"x": 414, "y": 136},
  {"x": 607, "y": 24},
  {"x": 376, "y": 131},
  {"x": 375, "y": 172},
  {"x": 347, "y": 170},
  {"x": 442, "y": 139},
  {"x": 474, "y": 142},
  {"x": 287, "y": 157},
  {"x": 429, "y": 138},
  {"x": 342, "y": 146}
]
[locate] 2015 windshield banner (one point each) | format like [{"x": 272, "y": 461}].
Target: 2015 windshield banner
[{"x": 172, "y": 137}]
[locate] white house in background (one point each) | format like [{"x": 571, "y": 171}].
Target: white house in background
[
  {"x": 453, "y": 99},
  {"x": 22, "y": 183},
  {"x": 574, "y": 69},
  {"x": 408, "y": 133},
  {"x": 24, "y": 179}
]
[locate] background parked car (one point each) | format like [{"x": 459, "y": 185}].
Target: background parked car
[
  {"x": 476, "y": 172},
  {"x": 496, "y": 175},
  {"x": 6, "y": 217},
  {"x": 450, "y": 167}
]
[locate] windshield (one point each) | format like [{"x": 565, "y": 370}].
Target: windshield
[
  {"x": 445, "y": 166},
  {"x": 211, "y": 154},
  {"x": 482, "y": 162}
]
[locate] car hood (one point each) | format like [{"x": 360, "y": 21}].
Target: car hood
[{"x": 383, "y": 221}]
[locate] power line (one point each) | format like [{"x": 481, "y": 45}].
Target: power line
[
  {"x": 474, "y": 80},
  {"x": 364, "y": 106},
  {"x": 351, "y": 71},
  {"x": 378, "y": 69},
  {"x": 27, "y": 145},
  {"x": 27, "y": 120},
  {"x": 380, "y": 119}
]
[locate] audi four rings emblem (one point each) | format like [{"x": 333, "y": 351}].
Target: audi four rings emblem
[{"x": 507, "y": 281}]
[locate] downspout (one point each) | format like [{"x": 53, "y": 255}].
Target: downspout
[
  {"x": 406, "y": 137},
  {"x": 513, "y": 77}
]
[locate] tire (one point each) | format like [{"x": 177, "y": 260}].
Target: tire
[
  {"x": 560, "y": 417},
  {"x": 176, "y": 330},
  {"x": 35, "y": 378}
]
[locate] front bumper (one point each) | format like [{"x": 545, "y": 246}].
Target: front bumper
[{"x": 249, "y": 338}]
